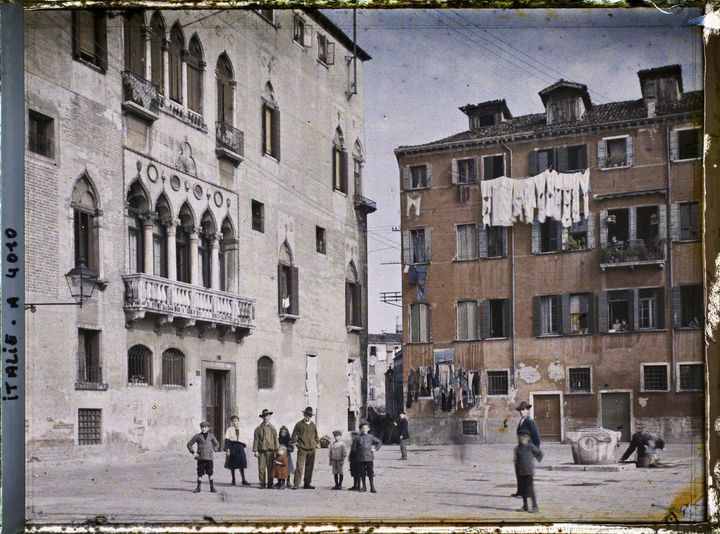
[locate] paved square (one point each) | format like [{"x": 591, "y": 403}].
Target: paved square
[{"x": 470, "y": 482}]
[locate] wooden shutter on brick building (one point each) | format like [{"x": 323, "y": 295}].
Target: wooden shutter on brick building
[
  {"x": 482, "y": 241},
  {"x": 537, "y": 317},
  {"x": 662, "y": 221},
  {"x": 427, "y": 244},
  {"x": 532, "y": 163},
  {"x": 561, "y": 159},
  {"x": 603, "y": 227},
  {"x": 674, "y": 222},
  {"x": 583, "y": 158},
  {"x": 535, "y": 235},
  {"x": 428, "y": 171},
  {"x": 673, "y": 145},
  {"x": 406, "y": 178},
  {"x": 485, "y": 319},
  {"x": 632, "y": 296},
  {"x": 676, "y": 308},
  {"x": 602, "y": 312},
  {"x": 407, "y": 247},
  {"x": 660, "y": 307},
  {"x": 632, "y": 222},
  {"x": 275, "y": 133},
  {"x": 565, "y": 326},
  {"x": 590, "y": 230},
  {"x": 507, "y": 318},
  {"x": 592, "y": 326},
  {"x": 454, "y": 174},
  {"x": 343, "y": 171},
  {"x": 601, "y": 153},
  {"x": 630, "y": 151}
]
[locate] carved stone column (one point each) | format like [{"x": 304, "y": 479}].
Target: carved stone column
[
  {"x": 166, "y": 66},
  {"x": 171, "y": 227},
  {"x": 148, "y": 52},
  {"x": 215, "y": 261},
  {"x": 194, "y": 263},
  {"x": 148, "y": 264},
  {"x": 184, "y": 80},
  {"x": 232, "y": 276}
]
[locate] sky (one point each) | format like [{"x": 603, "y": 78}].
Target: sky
[{"x": 428, "y": 63}]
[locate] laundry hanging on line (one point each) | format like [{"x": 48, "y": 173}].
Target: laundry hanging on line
[{"x": 556, "y": 195}]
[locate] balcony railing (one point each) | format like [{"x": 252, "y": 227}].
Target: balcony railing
[
  {"x": 172, "y": 301},
  {"x": 364, "y": 204},
  {"x": 140, "y": 96},
  {"x": 91, "y": 378},
  {"x": 632, "y": 252},
  {"x": 230, "y": 143}
]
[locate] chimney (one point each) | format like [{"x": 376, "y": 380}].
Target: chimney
[
  {"x": 485, "y": 114},
  {"x": 662, "y": 86}
]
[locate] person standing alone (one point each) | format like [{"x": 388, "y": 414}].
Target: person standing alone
[
  {"x": 305, "y": 436},
  {"x": 402, "y": 425},
  {"x": 207, "y": 445},
  {"x": 235, "y": 451},
  {"x": 265, "y": 443}
]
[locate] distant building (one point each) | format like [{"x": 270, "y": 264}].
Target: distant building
[
  {"x": 382, "y": 348},
  {"x": 208, "y": 167},
  {"x": 596, "y": 323}
]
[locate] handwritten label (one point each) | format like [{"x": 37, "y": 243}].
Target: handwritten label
[{"x": 10, "y": 338}]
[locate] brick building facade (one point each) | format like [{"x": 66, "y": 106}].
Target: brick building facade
[
  {"x": 208, "y": 167},
  {"x": 596, "y": 324}
]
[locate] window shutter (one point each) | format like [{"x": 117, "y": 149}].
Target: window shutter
[
  {"x": 281, "y": 275},
  {"x": 475, "y": 177},
  {"x": 344, "y": 170},
  {"x": 565, "y": 313},
  {"x": 406, "y": 178},
  {"x": 307, "y": 35},
  {"x": 428, "y": 170},
  {"x": 485, "y": 319},
  {"x": 561, "y": 159},
  {"x": 537, "y": 319},
  {"x": 357, "y": 301},
  {"x": 487, "y": 168},
  {"x": 673, "y": 145},
  {"x": 348, "y": 303},
  {"x": 504, "y": 239},
  {"x": 564, "y": 234},
  {"x": 601, "y": 151},
  {"x": 660, "y": 307},
  {"x": 454, "y": 171},
  {"x": 630, "y": 151},
  {"x": 583, "y": 158},
  {"x": 590, "y": 217},
  {"x": 674, "y": 222},
  {"x": 632, "y": 222},
  {"x": 676, "y": 309},
  {"x": 330, "y": 60},
  {"x": 428, "y": 322},
  {"x": 535, "y": 237},
  {"x": 482, "y": 241},
  {"x": 591, "y": 313},
  {"x": 532, "y": 163},
  {"x": 406, "y": 247},
  {"x": 427, "y": 244},
  {"x": 603, "y": 227},
  {"x": 602, "y": 312},
  {"x": 507, "y": 318},
  {"x": 276, "y": 133},
  {"x": 294, "y": 291},
  {"x": 265, "y": 126},
  {"x": 633, "y": 295},
  {"x": 662, "y": 221}
]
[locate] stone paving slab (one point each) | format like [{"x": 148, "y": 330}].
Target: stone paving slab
[{"x": 468, "y": 483}]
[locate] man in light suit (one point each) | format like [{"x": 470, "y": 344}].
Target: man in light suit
[{"x": 526, "y": 424}]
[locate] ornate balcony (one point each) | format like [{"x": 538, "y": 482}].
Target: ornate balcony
[
  {"x": 364, "y": 204},
  {"x": 632, "y": 253},
  {"x": 230, "y": 143},
  {"x": 140, "y": 97},
  {"x": 184, "y": 305}
]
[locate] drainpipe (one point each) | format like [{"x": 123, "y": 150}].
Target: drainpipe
[
  {"x": 668, "y": 205},
  {"x": 512, "y": 280}
]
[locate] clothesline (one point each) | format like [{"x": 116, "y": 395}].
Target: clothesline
[{"x": 555, "y": 195}]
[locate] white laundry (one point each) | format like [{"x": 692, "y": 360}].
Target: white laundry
[
  {"x": 575, "y": 200},
  {"x": 529, "y": 199},
  {"x": 585, "y": 188},
  {"x": 413, "y": 201},
  {"x": 502, "y": 193},
  {"x": 540, "y": 190},
  {"x": 569, "y": 189},
  {"x": 550, "y": 212},
  {"x": 518, "y": 196},
  {"x": 486, "y": 189}
]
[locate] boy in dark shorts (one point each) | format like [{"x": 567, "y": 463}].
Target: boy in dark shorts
[
  {"x": 207, "y": 445},
  {"x": 525, "y": 455}
]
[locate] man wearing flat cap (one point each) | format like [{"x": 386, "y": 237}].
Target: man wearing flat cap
[
  {"x": 526, "y": 424},
  {"x": 265, "y": 443},
  {"x": 305, "y": 436}
]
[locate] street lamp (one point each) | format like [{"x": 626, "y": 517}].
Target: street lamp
[{"x": 81, "y": 281}]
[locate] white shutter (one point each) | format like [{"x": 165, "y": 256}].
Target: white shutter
[
  {"x": 673, "y": 145},
  {"x": 601, "y": 149},
  {"x": 662, "y": 222},
  {"x": 454, "y": 171},
  {"x": 590, "y": 217},
  {"x": 674, "y": 222},
  {"x": 330, "y": 53},
  {"x": 308, "y": 36},
  {"x": 603, "y": 227},
  {"x": 629, "y": 151}
]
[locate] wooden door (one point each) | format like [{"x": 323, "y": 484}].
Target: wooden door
[
  {"x": 215, "y": 404},
  {"x": 546, "y": 409},
  {"x": 616, "y": 413}
]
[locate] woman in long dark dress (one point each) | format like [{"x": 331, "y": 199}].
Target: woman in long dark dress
[{"x": 235, "y": 451}]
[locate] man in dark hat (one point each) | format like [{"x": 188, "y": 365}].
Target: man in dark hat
[
  {"x": 527, "y": 424},
  {"x": 402, "y": 424},
  {"x": 305, "y": 436},
  {"x": 265, "y": 443},
  {"x": 207, "y": 445}
]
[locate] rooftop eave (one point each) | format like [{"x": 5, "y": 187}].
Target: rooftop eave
[{"x": 533, "y": 134}]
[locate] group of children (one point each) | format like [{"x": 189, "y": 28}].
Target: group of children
[{"x": 360, "y": 456}]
